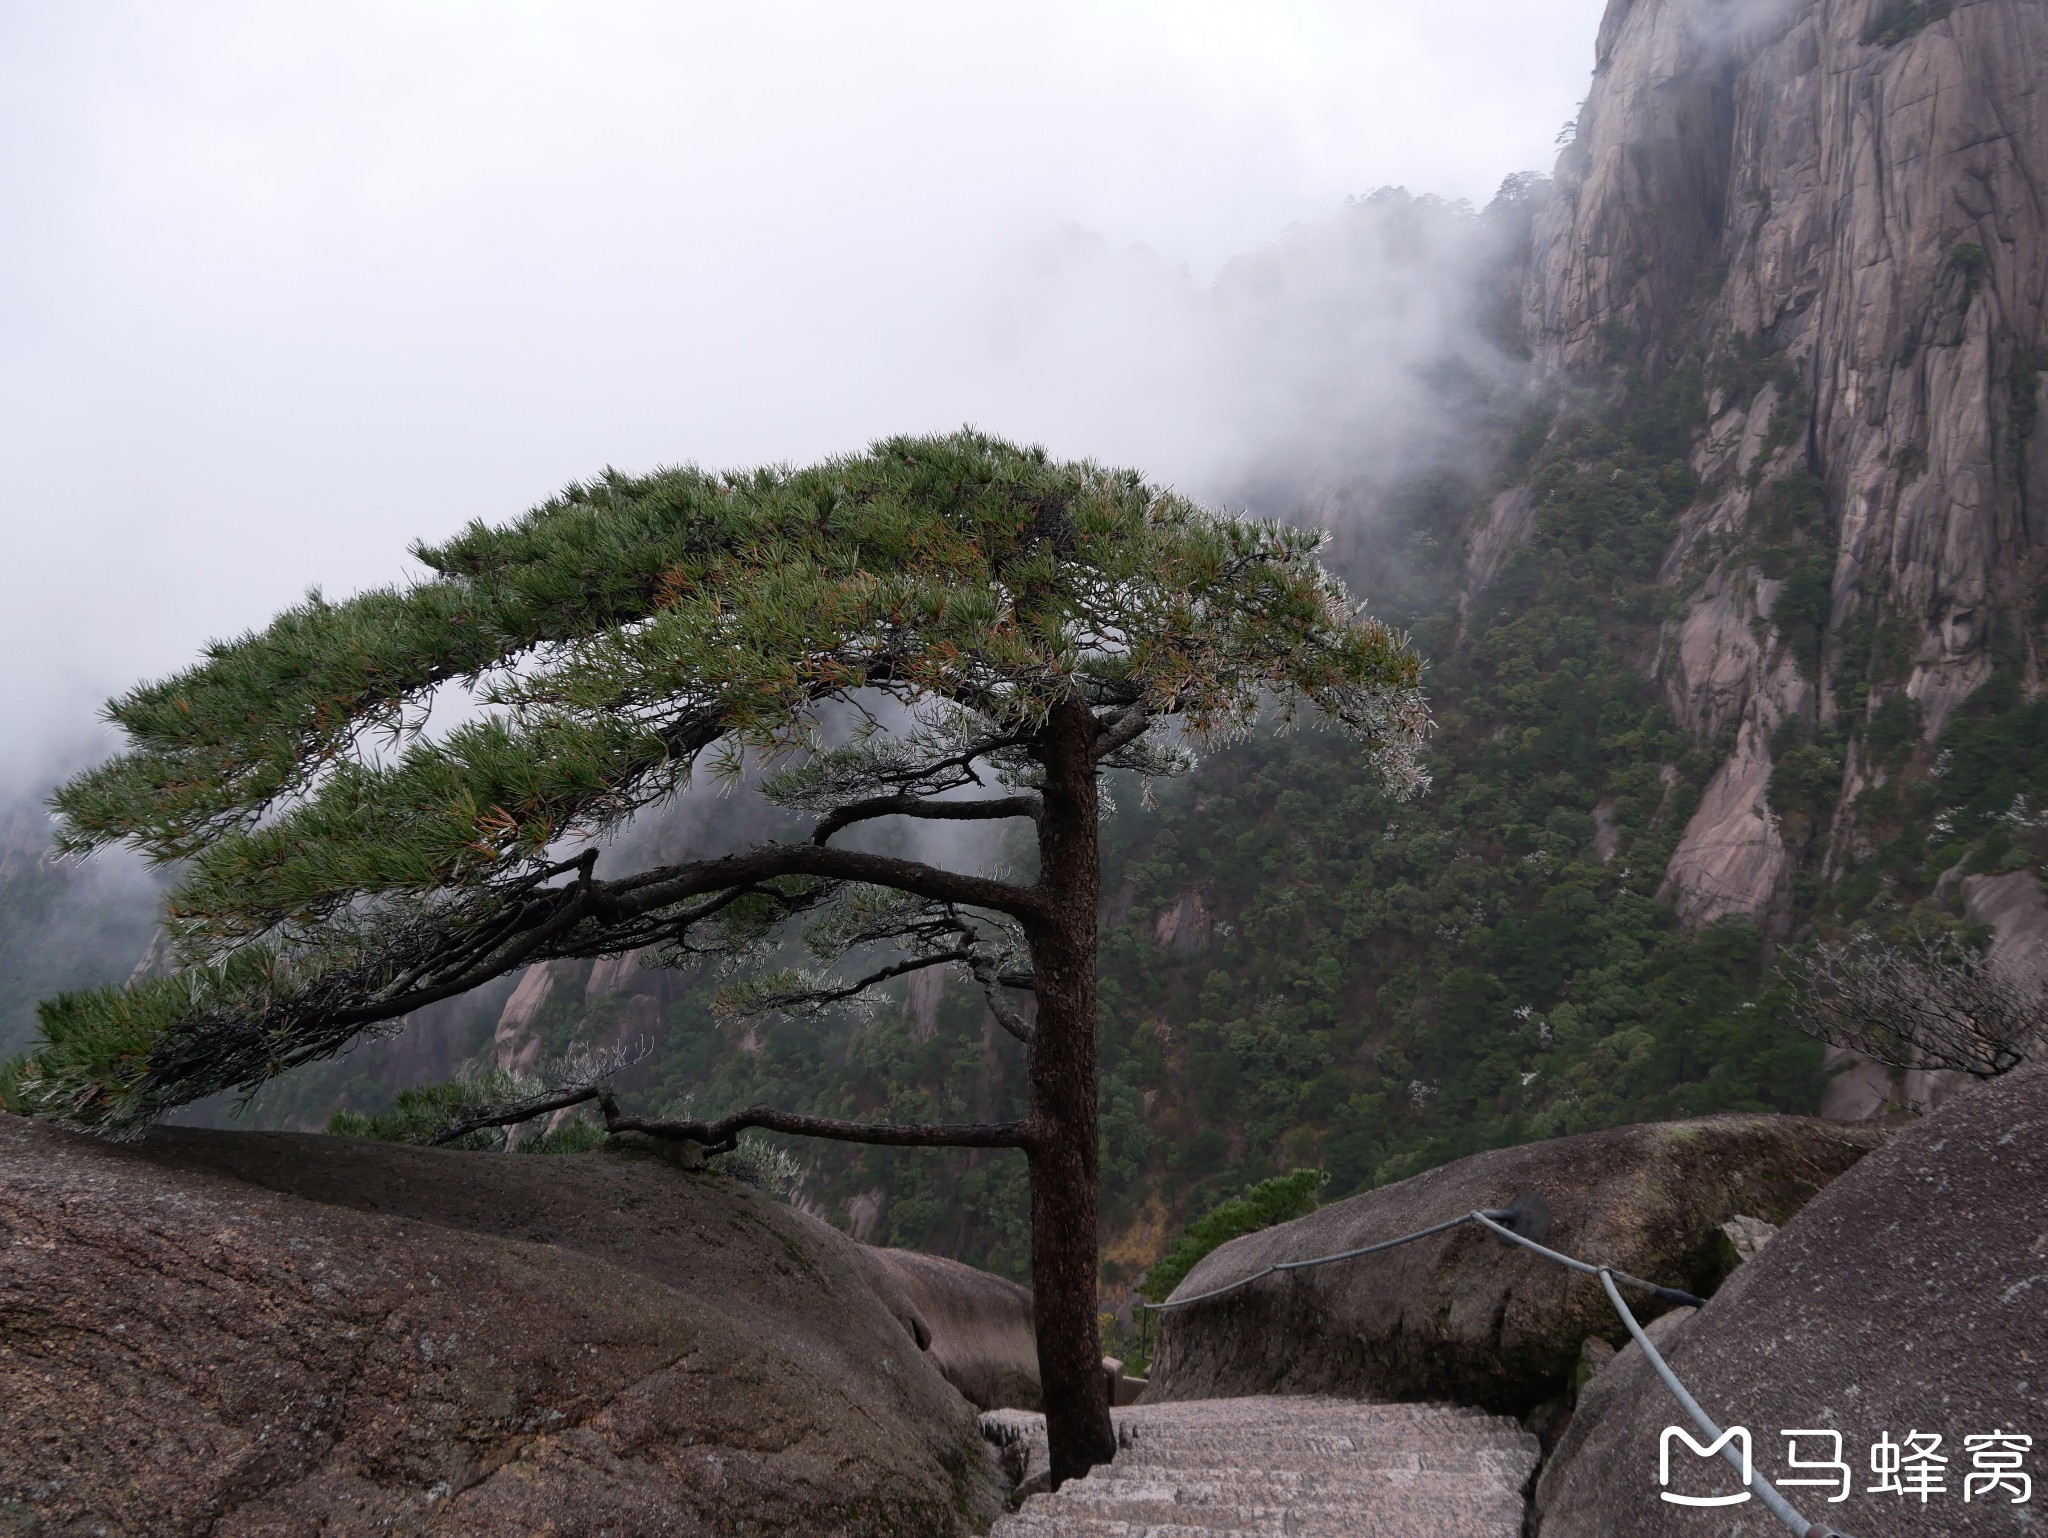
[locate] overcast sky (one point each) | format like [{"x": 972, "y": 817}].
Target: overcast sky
[{"x": 284, "y": 287}]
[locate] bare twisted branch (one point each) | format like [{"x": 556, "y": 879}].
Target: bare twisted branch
[
  {"x": 723, "y": 1135},
  {"x": 1932, "y": 1003},
  {"x": 908, "y": 805}
]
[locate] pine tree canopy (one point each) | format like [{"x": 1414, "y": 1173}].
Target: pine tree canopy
[{"x": 882, "y": 634}]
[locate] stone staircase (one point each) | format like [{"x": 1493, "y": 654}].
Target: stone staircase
[{"x": 1282, "y": 1467}]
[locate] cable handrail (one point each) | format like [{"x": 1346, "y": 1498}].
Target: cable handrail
[
  {"x": 1491, "y": 1217},
  {"x": 1530, "y": 1210},
  {"x": 1759, "y": 1486},
  {"x": 1303, "y": 1265}
]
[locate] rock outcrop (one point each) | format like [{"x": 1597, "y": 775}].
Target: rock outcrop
[
  {"x": 241, "y": 1333},
  {"x": 515, "y": 1047},
  {"x": 1464, "y": 1316},
  {"x": 1836, "y": 206},
  {"x": 976, "y": 1327},
  {"x": 2015, "y": 910},
  {"x": 1905, "y": 1298}
]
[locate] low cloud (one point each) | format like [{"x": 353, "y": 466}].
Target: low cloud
[{"x": 285, "y": 290}]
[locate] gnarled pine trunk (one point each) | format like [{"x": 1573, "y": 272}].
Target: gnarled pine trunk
[{"x": 1065, "y": 1150}]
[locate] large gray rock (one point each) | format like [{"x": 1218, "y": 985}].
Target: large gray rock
[
  {"x": 976, "y": 1326},
  {"x": 1464, "y": 1316},
  {"x": 1907, "y": 1297},
  {"x": 257, "y": 1333}
]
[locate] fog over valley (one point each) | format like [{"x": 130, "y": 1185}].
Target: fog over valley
[{"x": 282, "y": 292}]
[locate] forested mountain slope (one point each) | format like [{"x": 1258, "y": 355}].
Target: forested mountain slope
[{"x": 1727, "y": 558}]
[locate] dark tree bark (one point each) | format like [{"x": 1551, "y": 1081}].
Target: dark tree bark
[
  {"x": 1059, "y": 1135},
  {"x": 1064, "y": 1151},
  {"x": 722, "y": 1136}
]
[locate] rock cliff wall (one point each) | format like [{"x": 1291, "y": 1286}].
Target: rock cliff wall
[{"x": 1837, "y": 211}]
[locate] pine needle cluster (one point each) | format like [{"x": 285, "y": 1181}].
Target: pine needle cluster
[{"x": 342, "y": 857}]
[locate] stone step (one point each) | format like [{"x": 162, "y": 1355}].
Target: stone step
[
  {"x": 1276, "y": 1467},
  {"x": 1031, "y": 1524},
  {"x": 1332, "y": 1426},
  {"x": 1180, "y": 1503},
  {"x": 1464, "y": 1430},
  {"x": 1236, "y": 1465},
  {"x": 1506, "y": 1471},
  {"x": 1271, "y": 1406},
  {"x": 1222, "y": 1451},
  {"x": 1367, "y": 1442},
  {"x": 1446, "y": 1518},
  {"x": 1310, "y": 1481}
]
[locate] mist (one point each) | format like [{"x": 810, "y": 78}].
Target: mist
[{"x": 283, "y": 290}]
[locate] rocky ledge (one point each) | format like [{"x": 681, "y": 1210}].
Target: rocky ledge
[{"x": 238, "y": 1334}]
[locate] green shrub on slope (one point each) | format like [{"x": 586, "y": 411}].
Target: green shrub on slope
[
  {"x": 1279, "y": 1200},
  {"x": 421, "y": 1112}
]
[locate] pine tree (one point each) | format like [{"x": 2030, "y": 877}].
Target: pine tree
[{"x": 941, "y": 628}]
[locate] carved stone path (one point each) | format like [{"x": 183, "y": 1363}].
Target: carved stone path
[{"x": 1282, "y": 1467}]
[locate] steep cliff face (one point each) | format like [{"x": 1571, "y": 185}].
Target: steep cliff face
[{"x": 1837, "y": 211}]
